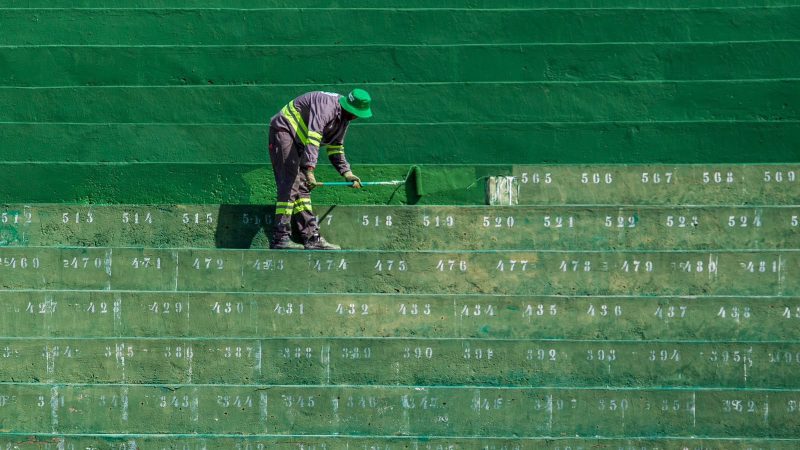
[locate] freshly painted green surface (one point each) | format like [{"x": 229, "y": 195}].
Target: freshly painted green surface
[
  {"x": 775, "y": 101},
  {"x": 287, "y": 64},
  {"x": 464, "y": 144},
  {"x": 403, "y": 4},
  {"x": 397, "y": 26}
]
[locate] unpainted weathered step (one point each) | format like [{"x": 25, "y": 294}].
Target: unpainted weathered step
[
  {"x": 423, "y": 272},
  {"x": 101, "y": 314},
  {"x": 404, "y": 361},
  {"x": 221, "y": 441},
  {"x": 412, "y": 228},
  {"x": 390, "y": 410}
]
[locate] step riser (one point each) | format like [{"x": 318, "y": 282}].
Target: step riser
[
  {"x": 163, "y": 314},
  {"x": 281, "y": 64},
  {"x": 403, "y": 228},
  {"x": 410, "y": 411},
  {"x": 523, "y": 273},
  {"x": 440, "y": 362},
  {"x": 275, "y": 27}
]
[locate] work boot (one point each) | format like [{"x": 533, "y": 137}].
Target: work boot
[
  {"x": 285, "y": 243},
  {"x": 317, "y": 242}
]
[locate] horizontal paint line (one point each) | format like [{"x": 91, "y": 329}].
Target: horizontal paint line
[
  {"x": 404, "y": 437},
  {"x": 415, "y": 387},
  {"x": 403, "y": 294},
  {"x": 400, "y": 45},
  {"x": 401, "y": 9},
  {"x": 416, "y": 124},
  {"x": 394, "y": 338},
  {"x": 402, "y": 84}
]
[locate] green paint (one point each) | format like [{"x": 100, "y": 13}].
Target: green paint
[
  {"x": 421, "y": 4},
  {"x": 354, "y": 65},
  {"x": 290, "y": 26},
  {"x": 595, "y": 143},
  {"x": 774, "y": 101}
]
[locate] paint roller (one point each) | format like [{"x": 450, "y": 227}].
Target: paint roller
[{"x": 413, "y": 178}]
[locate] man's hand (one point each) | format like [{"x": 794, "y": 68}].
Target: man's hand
[
  {"x": 350, "y": 177},
  {"x": 311, "y": 180}
]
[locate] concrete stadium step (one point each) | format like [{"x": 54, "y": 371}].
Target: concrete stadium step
[
  {"x": 404, "y": 361},
  {"x": 403, "y": 4},
  {"x": 657, "y": 101},
  {"x": 412, "y": 228},
  {"x": 102, "y": 314},
  {"x": 571, "y": 184},
  {"x": 276, "y": 64},
  {"x": 410, "y": 411},
  {"x": 221, "y": 441},
  {"x": 621, "y": 272},
  {"x": 686, "y": 184},
  {"x": 446, "y": 26},
  {"x": 167, "y": 148}
]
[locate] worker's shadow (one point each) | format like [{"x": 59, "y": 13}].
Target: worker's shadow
[
  {"x": 250, "y": 226},
  {"x": 244, "y": 226}
]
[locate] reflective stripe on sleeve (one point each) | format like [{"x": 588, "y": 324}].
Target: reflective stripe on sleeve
[
  {"x": 335, "y": 150},
  {"x": 314, "y": 138}
]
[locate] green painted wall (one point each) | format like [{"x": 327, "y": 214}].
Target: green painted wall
[
  {"x": 643, "y": 294},
  {"x": 185, "y": 86}
]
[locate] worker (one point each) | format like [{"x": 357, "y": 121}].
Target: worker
[{"x": 296, "y": 134}]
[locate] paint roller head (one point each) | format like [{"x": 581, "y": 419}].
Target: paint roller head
[{"x": 415, "y": 178}]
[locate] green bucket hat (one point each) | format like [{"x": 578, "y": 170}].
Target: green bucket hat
[{"x": 357, "y": 103}]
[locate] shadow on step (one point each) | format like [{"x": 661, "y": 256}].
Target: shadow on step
[
  {"x": 244, "y": 226},
  {"x": 250, "y": 226}
]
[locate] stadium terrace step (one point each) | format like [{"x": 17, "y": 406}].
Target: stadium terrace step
[
  {"x": 176, "y": 65},
  {"x": 422, "y": 272},
  {"x": 103, "y": 314},
  {"x": 404, "y": 361},
  {"x": 270, "y": 26},
  {"x": 341, "y": 442},
  {"x": 411, "y": 227},
  {"x": 389, "y": 410}
]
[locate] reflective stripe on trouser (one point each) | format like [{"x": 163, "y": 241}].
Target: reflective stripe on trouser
[{"x": 293, "y": 205}]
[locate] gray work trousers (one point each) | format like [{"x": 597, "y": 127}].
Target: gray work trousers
[{"x": 293, "y": 205}]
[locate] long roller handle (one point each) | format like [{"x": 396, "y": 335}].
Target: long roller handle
[{"x": 363, "y": 183}]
